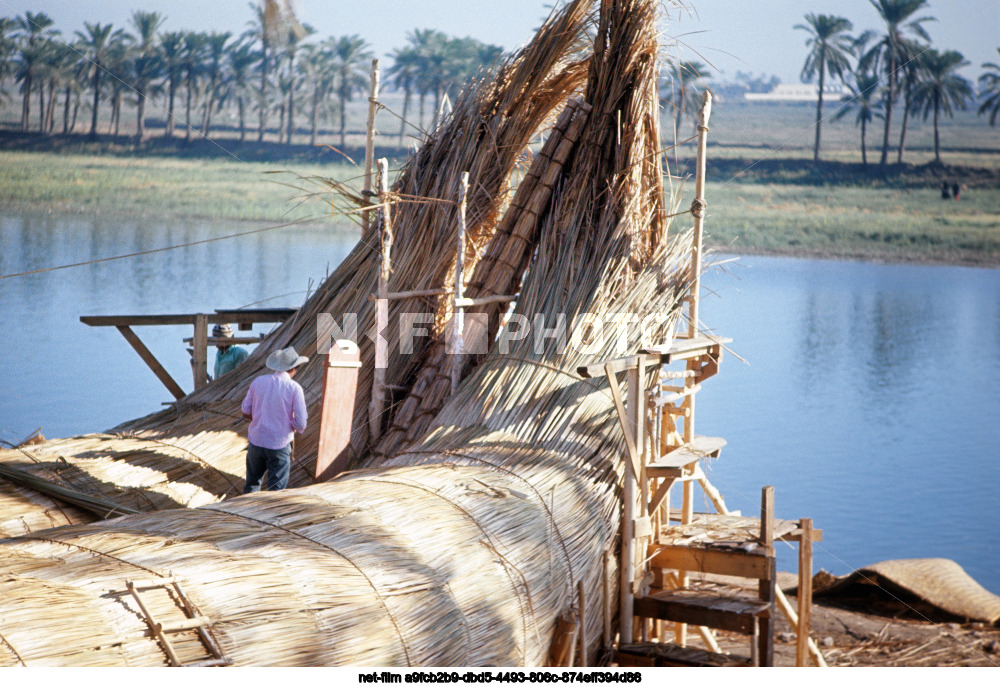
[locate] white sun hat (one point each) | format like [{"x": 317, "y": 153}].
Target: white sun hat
[{"x": 285, "y": 359}]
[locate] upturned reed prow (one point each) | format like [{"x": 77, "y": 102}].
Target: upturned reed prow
[{"x": 480, "y": 516}]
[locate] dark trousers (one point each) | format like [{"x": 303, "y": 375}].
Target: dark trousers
[{"x": 275, "y": 462}]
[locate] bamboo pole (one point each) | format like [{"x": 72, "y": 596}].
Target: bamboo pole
[
  {"x": 458, "y": 351},
  {"x": 698, "y": 211},
  {"x": 200, "y": 345},
  {"x": 370, "y": 143},
  {"x": 377, "y": 403}
]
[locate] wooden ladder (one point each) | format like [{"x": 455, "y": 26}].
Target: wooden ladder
[
  {"x": 192, "y": 621},
  {"x": 754, "y": 617}
]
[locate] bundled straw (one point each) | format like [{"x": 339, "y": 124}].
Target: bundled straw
[
  {"x": 492, "y": 123},
  {"x": 465, "y": 548}
]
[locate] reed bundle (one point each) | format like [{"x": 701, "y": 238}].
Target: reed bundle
[
  {"x": 465, "y": 547},
  {"x": 489, "y": 130}
]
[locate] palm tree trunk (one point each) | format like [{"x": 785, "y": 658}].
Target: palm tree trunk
[
  {"x": 51, "y": 110},
  {"x": 819, "y": 108},
  {"x": 76, "y": 110},
  {"x": 171, "y": 92},
  {"x": 69, "y": 93},
  {"x": 263, "y": 95},
  {"x": 97, "y": 99},
  {"x": 187, "y": 115},
  {"x": 140, "y": 118},
  {"x": 406, "y": 106},
  {"x": 937, "y": 140},
  {"x": 343, "y": 117},
  {"x": 890, "y": 96},
  {"x": 206, "y": 120},
  {"x": 41, "y": 108},
  {"x": 26, "y": 102},
  {"x": 864, "y": 154},
  {"x": 313, "y": 116},
  {"x": 423, "y": 95},
  {"x": 906, "y": 118},
  {"x": 241, "y": 108},
  {"x": 291, "y": 98}
]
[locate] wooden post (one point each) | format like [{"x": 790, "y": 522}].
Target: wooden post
[
  {"x": 340, "y": 385},
  {"x": 627, "y": 572},
  {"x": 606, "y": 575},
  {"x": 458, "y": 331},
  {"x": 377, "y": 404},
  {"x": 370, "y": 145},
  {"x": 698, "y": 211},
  {"x": 804, "y": 593},
  {"x": 765, "y": 641},
  {"x": 200, "y": 345}
]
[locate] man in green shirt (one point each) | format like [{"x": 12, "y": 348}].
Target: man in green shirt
[{"x": 227, "y": 357}]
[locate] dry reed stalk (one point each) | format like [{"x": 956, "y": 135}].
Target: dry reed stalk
[
  {"x": 466, "y": 548},
  {"x": 492, "y": 123}
]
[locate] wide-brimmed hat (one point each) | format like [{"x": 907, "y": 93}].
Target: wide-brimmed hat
[
  {"x": 222, "y": 331},
  {"x": 285, "y": 359}
]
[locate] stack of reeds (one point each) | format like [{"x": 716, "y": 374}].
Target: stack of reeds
[
  {"x": 466, "y": 547},
  {"x": 489, "y": 131}
]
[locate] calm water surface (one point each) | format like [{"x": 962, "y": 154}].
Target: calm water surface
[{"x": 870, "y": 397}]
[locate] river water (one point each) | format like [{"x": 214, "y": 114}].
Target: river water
[{"x": 870, "y": 395}]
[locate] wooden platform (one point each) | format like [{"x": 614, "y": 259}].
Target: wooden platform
[
  {"x": 650, "y": 655},
  {"x": 725, "y": 531}
]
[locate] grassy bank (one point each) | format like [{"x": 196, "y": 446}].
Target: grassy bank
[
  {"x": 162, "y": 187},
  {"x": 778, "y": 206}
]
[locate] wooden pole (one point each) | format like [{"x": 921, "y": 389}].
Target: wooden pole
[
  {"x": 377, "y": 403},
  {"x": 150, "y": 360},
  {"x": 804, "y": 593},
  {"x": 458, "y": 351},
  {"x": 698, "y": 211},
  {"x": 765, "y": 641},
  {"x": 200, "y": 345},
  {"x": 370, "y": 144}
]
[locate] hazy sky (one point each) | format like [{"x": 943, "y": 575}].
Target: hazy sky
[{"x": 732, "y": 35}]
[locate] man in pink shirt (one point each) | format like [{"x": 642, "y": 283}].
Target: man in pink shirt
[{"x": 276, "y": 408}]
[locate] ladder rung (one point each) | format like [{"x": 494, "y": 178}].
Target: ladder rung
[
  {"x": 185, "y": 624},
  {"x": 139, "y": 585},
  {"x": 209, "y": 663}
]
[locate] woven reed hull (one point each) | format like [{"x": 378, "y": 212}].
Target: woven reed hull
[
  {"x": 465, "y": 547},
  {"x": 429, "y": 565}
]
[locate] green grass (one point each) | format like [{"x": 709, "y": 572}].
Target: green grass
[
  {"x": 873, "y": 223},
  {"x": 161, "y": 187}
]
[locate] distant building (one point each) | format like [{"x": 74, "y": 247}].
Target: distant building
[{"x": 799, "y": 93}]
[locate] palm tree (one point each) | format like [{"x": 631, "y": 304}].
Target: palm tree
[
  {"x": 172, "y": 51},
  {"x": 352, "y": 59},
  {"x": 829, "y": 49},
  {"x": 35, "y": 32},
  {"x": 193, "y": 64},
  {"x": 147, "y": 62},
  {"x": 318, "y": 72},
  {"x": 422, "y": 43},
  {"x": 403, "y": 72},
  {"x": 8, "y": 46},
  {"x": 116, "y": 66},
  {"x": 942, "y": 90},
  {"x": 863, "y": 100},
  {"x": 685, "y": 77},
  {"x": 241, "y": 58},
  {"x": 895, "y": 49},
  {"x": 96, "y": 42},
  {"x": 989, "y": 90},
  {"x": 215, "y": 51}
]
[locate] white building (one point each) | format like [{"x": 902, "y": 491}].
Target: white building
[{"x": 799, "y": 93}]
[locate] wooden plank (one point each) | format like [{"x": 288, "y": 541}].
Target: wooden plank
[
  {"x": 661, "y": 493},
  {"x": 184, "y": 624},
  {"x": 671, "y": 655},
  {"x": 458, "y": 326},
  {"x": 218, "y": 317},
  {"x": 200, "y": 344},
  {"x": 730, "y": 562},
  {"x": 616, "y": 396},
  {"x": 722, "y": 613},
  {"x": 692, "y": 452},
  {"x": 147, "y": 357},
  {"x": 617, "y": 365},
  {"x": 340, "y": 386}
]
